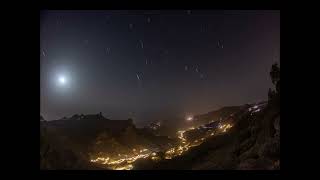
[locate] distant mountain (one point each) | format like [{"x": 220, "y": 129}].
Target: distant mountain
[
  {"x": 215, "y": 115},
  {"x": 171, "y": 126}
]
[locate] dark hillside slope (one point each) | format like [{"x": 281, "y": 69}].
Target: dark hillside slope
[{"x": 252, "y": 143}]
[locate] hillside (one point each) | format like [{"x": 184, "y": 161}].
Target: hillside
[
  {"x": 169, "y": 127},
  {"x": 252, "y": 143}
]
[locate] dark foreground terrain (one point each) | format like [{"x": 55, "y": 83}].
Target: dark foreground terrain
[{"x": 253, "y": 142}]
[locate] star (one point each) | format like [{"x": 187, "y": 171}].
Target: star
[
  {"x": 130, "y": 26},
  {"x": 141, "y": 43},
  {"x": 108, "y": 50},
  {"x": 197, "y": 70},
  {"x": 220, "y": 44}
]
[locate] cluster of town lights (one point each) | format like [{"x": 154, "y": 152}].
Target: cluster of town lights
[
  {"x": 124, "y": 162},
  {"x": 185, "y": 146}
]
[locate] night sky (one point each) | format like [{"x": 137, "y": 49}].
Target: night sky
[{"x": 153, "y": 65}]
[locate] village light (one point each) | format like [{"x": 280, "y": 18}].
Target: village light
[{"x": 189, "y": 118}]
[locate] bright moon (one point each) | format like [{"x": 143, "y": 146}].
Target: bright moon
[{"x": 62, "y": 80}]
